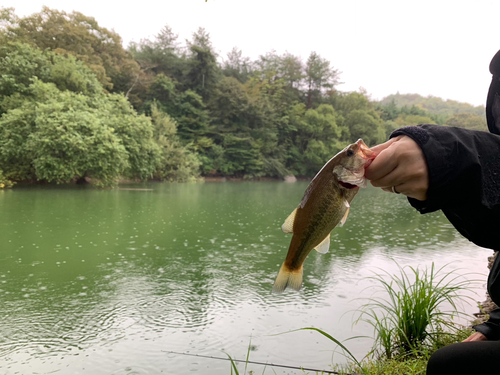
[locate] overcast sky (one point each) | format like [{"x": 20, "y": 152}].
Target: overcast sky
[{"x": 430, "y": 47}]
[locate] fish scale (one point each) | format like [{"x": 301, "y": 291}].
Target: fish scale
[{"x": 325, "y": 204}]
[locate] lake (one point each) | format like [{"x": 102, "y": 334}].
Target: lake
[{"x": 114, "y": 281}]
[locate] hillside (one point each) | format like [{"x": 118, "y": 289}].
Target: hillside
[{"x": 433, "y": 104}]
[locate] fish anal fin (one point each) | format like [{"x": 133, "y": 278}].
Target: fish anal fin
[
  {"x": 324, "y": 245},
  {"x": 288, "y": 278},
  {"x": 287, "y": 226},
  {"x": 342, "y": 222}
]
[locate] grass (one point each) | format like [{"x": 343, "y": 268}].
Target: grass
[
  {"x": 408, "y": 317},
  {"x": 234, "y": 368},
  {"x": 412, "y": 315},
  {"x": 412, "y": 363}
]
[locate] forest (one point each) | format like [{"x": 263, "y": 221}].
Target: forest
[{"x": 76, "y": 106}]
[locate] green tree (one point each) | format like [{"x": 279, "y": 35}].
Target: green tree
[
  {"x": 161, "y": 55},
  {"x": 202, "y": 71},
  {"x": 467, "y": 121},
  {"x": 186, "y": 108},
  {"x": 237, "y": 66},
  {"x": 229, "y": 107},
  {"x": 19, "y": 63},
  {"x": 366, "y": 125},
  {"x": 59, "y": 137},
  {"x": 291, "y": 70},
  {"x": 163, "y": 91},
  {"x": 405, "y": 120},
  {"x": 319, "y": 77},
  {"x": 433, "y": 105},
  {"x": 269, "y": 107},
  {"x": 287, "y": 68},
  {"x": 389, "y": 111},
  {"x": 78, "y": 35},
  {"x": 192, "y": 117},
  {"x": 346, "y": 102},
  {"x": 177, "y": 162},
  {"x": 389, "y": 127},
  {"x": 292, "y": 73},
  {"x": 231, "y": 113},
  {"x": 317, "y": 139},
  {"x": 269, "y": 65},
  {"x": 241, "y": 157},
  {"x": 135, "y": 133},
  {"x": 58, "y": 124}
]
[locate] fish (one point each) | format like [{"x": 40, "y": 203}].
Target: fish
[{"x": 325, "y": 204}]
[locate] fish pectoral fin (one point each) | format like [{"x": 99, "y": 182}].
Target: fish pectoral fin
[
  {"x": 287, "y": 226},
  {"x": 346, "y": 203},
  {"x": 324, "y": 246},
  {"x": 342, "y": 222}
]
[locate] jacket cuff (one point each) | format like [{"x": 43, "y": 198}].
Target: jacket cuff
[{"x": 491, "y": 331}]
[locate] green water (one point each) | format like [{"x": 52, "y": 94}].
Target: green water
[{"x": 112, "y": 281}]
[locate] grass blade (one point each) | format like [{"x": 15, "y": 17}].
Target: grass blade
[
  {"x": 331, "y": 338},
  {"x": 233, "y": 365}
]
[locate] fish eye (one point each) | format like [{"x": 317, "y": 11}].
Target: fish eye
[{"x": 350, "y": 152}]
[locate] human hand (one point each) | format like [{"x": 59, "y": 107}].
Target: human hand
[
  {"x": 400, "y": 163},
  {"x": 476, "y": 336}
]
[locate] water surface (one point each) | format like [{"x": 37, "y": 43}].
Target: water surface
[{"x": 113, "y": 281}]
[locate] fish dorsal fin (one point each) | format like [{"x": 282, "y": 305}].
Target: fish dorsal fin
[
  {"x": 342, "y": 222},
  {"x": 287, "y": 226},
  {"x": 324, "y": 246}
]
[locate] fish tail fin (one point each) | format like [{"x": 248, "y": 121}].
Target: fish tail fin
[{"x": 288, "y": 278}]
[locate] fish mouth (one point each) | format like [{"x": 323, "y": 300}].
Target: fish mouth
[
  {"x": 365, "y": 150},
  {"x": 347, "y": 185}
]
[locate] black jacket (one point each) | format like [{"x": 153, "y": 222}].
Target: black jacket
[{"x": 464, "y": 182}]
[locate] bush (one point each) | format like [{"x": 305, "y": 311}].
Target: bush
[{"x": 4, "y": 182}]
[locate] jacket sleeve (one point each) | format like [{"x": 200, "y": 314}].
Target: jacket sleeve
[
  {"x": 464, "y": 179},
  {"x": 464, "y": 166},
  {"x": 464, "y": 182},
  {"x": 491, "y": 328}
]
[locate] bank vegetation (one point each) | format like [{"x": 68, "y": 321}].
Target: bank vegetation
[{"x": 75, "y": 105}]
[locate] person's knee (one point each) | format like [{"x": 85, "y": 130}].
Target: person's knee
[
  {"x": 464, "y": 358},
  {"x": 438, "y": 363}
]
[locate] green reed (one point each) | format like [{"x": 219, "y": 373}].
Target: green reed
[
  {"x": 412, "y": 315},
  {"x": 409, "y": 316}
]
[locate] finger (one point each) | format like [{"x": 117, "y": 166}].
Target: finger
[
  {"x": 389, "y": 179},
  {"x": 379, "y": 148},
  {"x": 399, "y": 180},
  {"x": 391, "y": 189},
  {"x": 477, "y": 336},
  {"x": 412, "y": 190},
  {"x": 382, "y": 165}
]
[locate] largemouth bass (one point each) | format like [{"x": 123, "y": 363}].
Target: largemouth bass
[{"x": 325, "y": 204}]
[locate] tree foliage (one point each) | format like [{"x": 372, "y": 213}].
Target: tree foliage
[
  {"x": 58, "y": 124},
  {"x": 57, "y": 136},
  {"x": 74, "y": 104},
  {"x": 467, "y": 121},
  {"x": 433, "y": 104},
  {"x": 78, "y": 35},
  {"x": 177, "y": 163}
]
